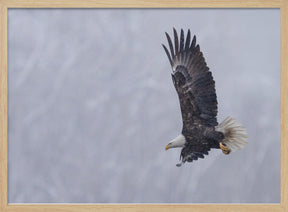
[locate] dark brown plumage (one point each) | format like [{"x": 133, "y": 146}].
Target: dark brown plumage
[{"x": 196, "y": 90}]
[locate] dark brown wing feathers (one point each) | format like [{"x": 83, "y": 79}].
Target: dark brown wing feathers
[{"x": 196, "y": 90}]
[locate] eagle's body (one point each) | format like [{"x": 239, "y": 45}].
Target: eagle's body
[{"x": 196, "y": 91}]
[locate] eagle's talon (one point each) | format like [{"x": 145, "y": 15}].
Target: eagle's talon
[{"x": 224, "y": 148}]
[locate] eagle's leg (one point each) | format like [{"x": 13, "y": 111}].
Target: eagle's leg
[{"x": 225, "y": 150}]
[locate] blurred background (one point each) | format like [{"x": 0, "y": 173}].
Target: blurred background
[{"x": 91, "y": 106}]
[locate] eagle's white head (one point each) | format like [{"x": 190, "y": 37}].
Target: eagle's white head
[{"x": 179, "y": 141}]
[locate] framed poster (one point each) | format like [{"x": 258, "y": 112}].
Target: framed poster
[{"x": 88, "y": 105}]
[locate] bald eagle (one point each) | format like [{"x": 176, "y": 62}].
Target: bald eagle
[{"x": 198, "y": 102}]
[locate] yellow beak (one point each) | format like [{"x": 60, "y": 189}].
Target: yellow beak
[{"x": 167, "y": 147}]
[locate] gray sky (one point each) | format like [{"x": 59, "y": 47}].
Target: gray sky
[{"x": 91, "y": 106}]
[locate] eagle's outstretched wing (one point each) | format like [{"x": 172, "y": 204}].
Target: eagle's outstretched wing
[{"x": 193, "y": 82}]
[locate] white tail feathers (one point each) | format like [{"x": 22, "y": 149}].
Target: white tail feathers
[{"x": 235, "y": 135}]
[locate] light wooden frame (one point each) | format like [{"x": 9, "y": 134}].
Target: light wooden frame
[{"x": 6, "y": 4}]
